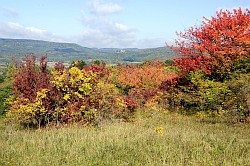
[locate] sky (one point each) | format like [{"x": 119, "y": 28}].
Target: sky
[{"x": 107, "y": 23}]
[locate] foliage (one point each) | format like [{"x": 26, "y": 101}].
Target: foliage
[
  {"x": 3, "y": 71},
  {"x": 30, "y": 87},
  {"x": 110, "y": 104},
  {"x": 2, "y": 78},
  {"x": 211, "y": 78},
  {"x": 73, "y": 87},
  {"x": 213, "y": 67},
  {"x": 216, "y": 44},
  {"x": 10, "y": 72},
  {"x": 240, "y": 109},
  {"x": 66, "y": 96},
  {"x": 202, "y": 94},
  {"x": 168, "y": 62},
  {"x": 144, "y": 81},
  {"x": 78, "y": 63},
  {"x": 59, "y": 66},
  {"x": 242, "y": 66},
  {"x": 30, "y": 112},
  {"x": 97, "y": 62},
  {"x": 95, "y": 96},
  {"x": 27, "y": 80},
  {"x": 5, "y": 91},
  {"x": 6, "y": 79}
]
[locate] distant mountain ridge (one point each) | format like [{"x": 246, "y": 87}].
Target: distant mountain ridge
[{"x": 67, "y": 52}]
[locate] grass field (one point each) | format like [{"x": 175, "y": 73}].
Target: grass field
[{"x": 160, "y": 139}]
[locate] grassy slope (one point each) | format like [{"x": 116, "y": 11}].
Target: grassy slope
[{"x": 183, "y": 141}]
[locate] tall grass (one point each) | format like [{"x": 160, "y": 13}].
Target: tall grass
[{"x": 153, "y": 140}]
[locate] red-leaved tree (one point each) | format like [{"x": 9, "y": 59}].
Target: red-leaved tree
[
  {"x": 29, "y": 79},
  {"x": 216, "y": 44}
]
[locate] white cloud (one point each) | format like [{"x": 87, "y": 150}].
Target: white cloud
[
  {"x": 121, "y": 27},
  {"x": 103, "y": 8},
  {"x": 99, "y": 30},
  {"x": 26, "y": 30},
  {"x": 16, "y": 30},
  {"x": 109, "y": 35},
  {"x": 102, "y": 32},
  {"x": 99, "y": 39}
]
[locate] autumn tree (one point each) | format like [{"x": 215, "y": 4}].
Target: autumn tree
[
  {"x": 216, "y": 44},
  {"x": 144, "y": 82},
  {"x": 28, "y": 79},
  {"x": 148, "y": 75}
]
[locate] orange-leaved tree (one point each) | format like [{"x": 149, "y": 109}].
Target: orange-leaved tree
[
  {"x": 145, "y": 76},
  {"x": 216, "y": 44},
  {"x": 144, "y": 81}
]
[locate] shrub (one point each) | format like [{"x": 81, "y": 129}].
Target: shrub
[
  {"x": 240, "y": 109},
  {"x": 78, "y": 64},
  {"x": 145, "y": 81},
  {"x": 201, "y": 94},
  {"x": 5, "y": 91},
  {"x": 66, "y": 96}
]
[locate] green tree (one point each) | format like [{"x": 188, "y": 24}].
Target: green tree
[{"x": 10, "y": 72}]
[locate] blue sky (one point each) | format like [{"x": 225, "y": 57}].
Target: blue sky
[{"x": 106, "y": 23}]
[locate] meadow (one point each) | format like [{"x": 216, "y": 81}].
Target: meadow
[
  {"x": 192, "y": 110},
  {"x": 153, "y": 138}
]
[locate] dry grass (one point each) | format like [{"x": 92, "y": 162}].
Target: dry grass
[{"x": 153, "y": 140}]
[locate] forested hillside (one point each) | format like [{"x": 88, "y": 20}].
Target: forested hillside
[{"x": 68, "y": 52}]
